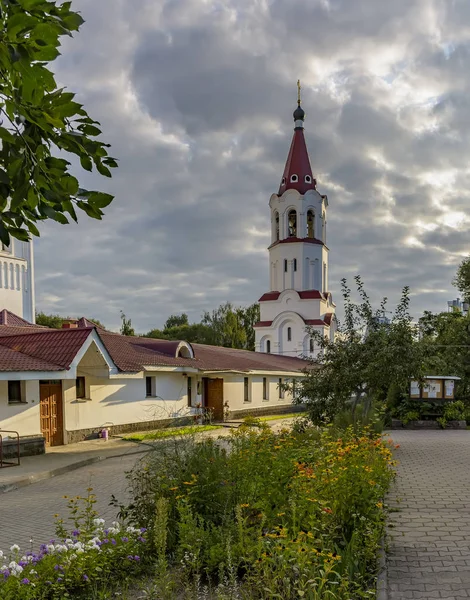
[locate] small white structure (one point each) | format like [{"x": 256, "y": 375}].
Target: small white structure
[
  {"x": 298, "y": 260},
  {"x": 17, "y": 279}
]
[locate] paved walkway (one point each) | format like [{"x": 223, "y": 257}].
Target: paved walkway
[{"x": 429, "y": 537}]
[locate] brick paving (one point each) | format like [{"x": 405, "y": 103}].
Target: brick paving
[
  {"x": 29, "y": 512},
  {"x": 429, "y": 538}
]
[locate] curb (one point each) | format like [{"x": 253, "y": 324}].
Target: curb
[
  {"x": 382, "y": 579},
  {"x": 41, "y": 476}
]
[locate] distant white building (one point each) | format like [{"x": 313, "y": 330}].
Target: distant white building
[
  {"x": 17, "y": 279},
  {"x": 457, "y": 305},
  {"x": 299, "y": 294}
]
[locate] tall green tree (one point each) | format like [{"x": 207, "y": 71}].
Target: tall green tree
[
  {"x": 40, "y": 124},
  {"x": 126, "y": 325},
  {"x": 462, "y": 279},
  {"x": 194, "y": 333},
  {"x": 368, "y": 356},
  {"x": 176, "y": 321}
]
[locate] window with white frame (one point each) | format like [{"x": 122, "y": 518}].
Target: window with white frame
[{"x": 150, "y": 387}]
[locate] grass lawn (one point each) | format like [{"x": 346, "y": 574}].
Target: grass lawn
[
  {"x": 286, "y": 416},
  {"x": 168, "y": 432}
]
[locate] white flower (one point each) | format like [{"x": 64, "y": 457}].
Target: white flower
[
  {"x": 50, "y": 548},
  {"x": 98, "y": 522},
  {"x": 33, "y": 572},
  {"x": 15, "y": 548},
  {"x": 68, "y": 541},
  {"x": 79, "y": 550},
  {"x": 1, "y": 554}
]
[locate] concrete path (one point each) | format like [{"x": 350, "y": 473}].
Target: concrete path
[{"x": 429, "y": 538}]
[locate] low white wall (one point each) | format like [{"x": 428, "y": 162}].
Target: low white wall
[
  {"x": 22, "y": 417},
  {"x": 123, "y": 401}
]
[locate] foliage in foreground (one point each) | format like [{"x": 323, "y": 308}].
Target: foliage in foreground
[
  {"x": 78, "y": 562},
  {"x": 40, "y": 121},
  {"x": 263, "y": 515}
]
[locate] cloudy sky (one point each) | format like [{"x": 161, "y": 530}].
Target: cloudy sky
[{"x": 196, "y": 98}]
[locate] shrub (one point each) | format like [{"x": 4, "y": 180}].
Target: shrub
[{"x": 294, "y": 514}]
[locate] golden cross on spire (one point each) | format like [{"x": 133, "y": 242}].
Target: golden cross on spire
[{"x": 298, "y": 91}]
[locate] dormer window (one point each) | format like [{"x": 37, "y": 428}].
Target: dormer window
[
  {"x": 294, "y": 178},
  {"x": 308, "y": 179},
  {"x": 283, "y": 181}
]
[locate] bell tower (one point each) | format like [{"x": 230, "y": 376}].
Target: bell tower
[{"x": 298, "y": 258}]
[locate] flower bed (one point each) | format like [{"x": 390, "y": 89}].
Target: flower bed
[
  {"x": 74, "y": 565},
  {"x": 289, "y": 515}
]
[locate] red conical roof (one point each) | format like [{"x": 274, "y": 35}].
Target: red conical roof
[{"x": 298, "y": 164}]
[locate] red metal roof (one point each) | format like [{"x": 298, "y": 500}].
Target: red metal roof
[
  {"x": 298, "y": 163},
  {"x": 11, "y": 320},
  {"x": 304, "y": 295},
  {"x": 269, "y": 296}
]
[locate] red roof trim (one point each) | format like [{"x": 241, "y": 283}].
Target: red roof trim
[
  {"x": 315, "y": 322},
  {"x": 269, "y": 296},
  {"x": 295, "y": 240},
  {"x": 263, "y": 324},
  {"x": 311, "y": 295}
]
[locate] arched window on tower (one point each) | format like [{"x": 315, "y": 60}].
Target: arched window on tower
[
  {"x": 289, "y": 334},
  {"x": 276, "y": 226},
  {"x": 292, "y": 223},
  {"x": 268, "y": 346},
  {"x": 310, "y": 224}
]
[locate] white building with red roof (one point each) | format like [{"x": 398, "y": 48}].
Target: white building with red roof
[
  {"x": 65, "y": 385},
  {"x": 298, "y": 259}
]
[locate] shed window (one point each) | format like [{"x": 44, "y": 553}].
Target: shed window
[
  {"x": 150, "y": 386},
  {"x": 80, "y": 390},
  {"x": 189, "y": 390},
  {"x": 15, "y": 392},
  {"x": 246, "y": 389}
]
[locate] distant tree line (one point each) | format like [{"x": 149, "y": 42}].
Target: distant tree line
[{"x": 228, "y": 325}]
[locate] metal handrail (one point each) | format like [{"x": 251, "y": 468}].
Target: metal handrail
[{"x": 8, "y": 463}]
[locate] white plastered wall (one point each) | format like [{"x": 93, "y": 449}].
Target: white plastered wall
[
  {"x": 22, "y": 417},
  {"x": 234, "y": 392}
]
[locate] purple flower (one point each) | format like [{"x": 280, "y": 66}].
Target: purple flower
[
  {"x": 75, "y": 532},
  {"x": 59, "y": 579},
  {"x": 105, "y": 541},
  {"x": 143, "y": 529},
  {"x": 130, "y": 557},
  {"x": 85, "y": 578},
  {"x": 136, "y": 557},
  {"x": 6, "y": 573},
  {"x": 106, "y": 531},
  {"x": 124, "y": 539},
  {"x": 25, "y": 581},
  {"x": 141, "y": 539},
  {"x": 113, "y": 541},
  {"x": 51, "y": 541},
  {"x": 56, "y": 567},
  {"x": 23, "y": 563}
]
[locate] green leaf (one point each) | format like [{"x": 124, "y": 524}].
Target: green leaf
[
  {"x": 6, "y": 136},
  {"x": 19, "y": 234},
  {"x": 19, "y": 22},
  {"x": 70, "y": 184},
  {"x": 86, "y": 163},
  {"x": 90, "y": 211},
  {"x": 53, "y": 214},
  {"x": 4, "y": 235},
  {"x": 89, "y": 129},
  {"x": 32, "y": 228},
  {"x": 100, "y": 199},
  {"x": 102, "y": 169}
]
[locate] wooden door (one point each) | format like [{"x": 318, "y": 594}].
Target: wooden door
[
  {"x": 215, "y": 398},
  {"x": 51, "y": 413}
]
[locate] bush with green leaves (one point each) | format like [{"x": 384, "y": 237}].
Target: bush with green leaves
[
  {"x": 40, "y": 124},
  {"x": 289, "y": 515}
]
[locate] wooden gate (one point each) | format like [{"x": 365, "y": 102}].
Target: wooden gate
[
  {"x": 215, "y": 398},
  {"x": 52, "y": 426}
]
